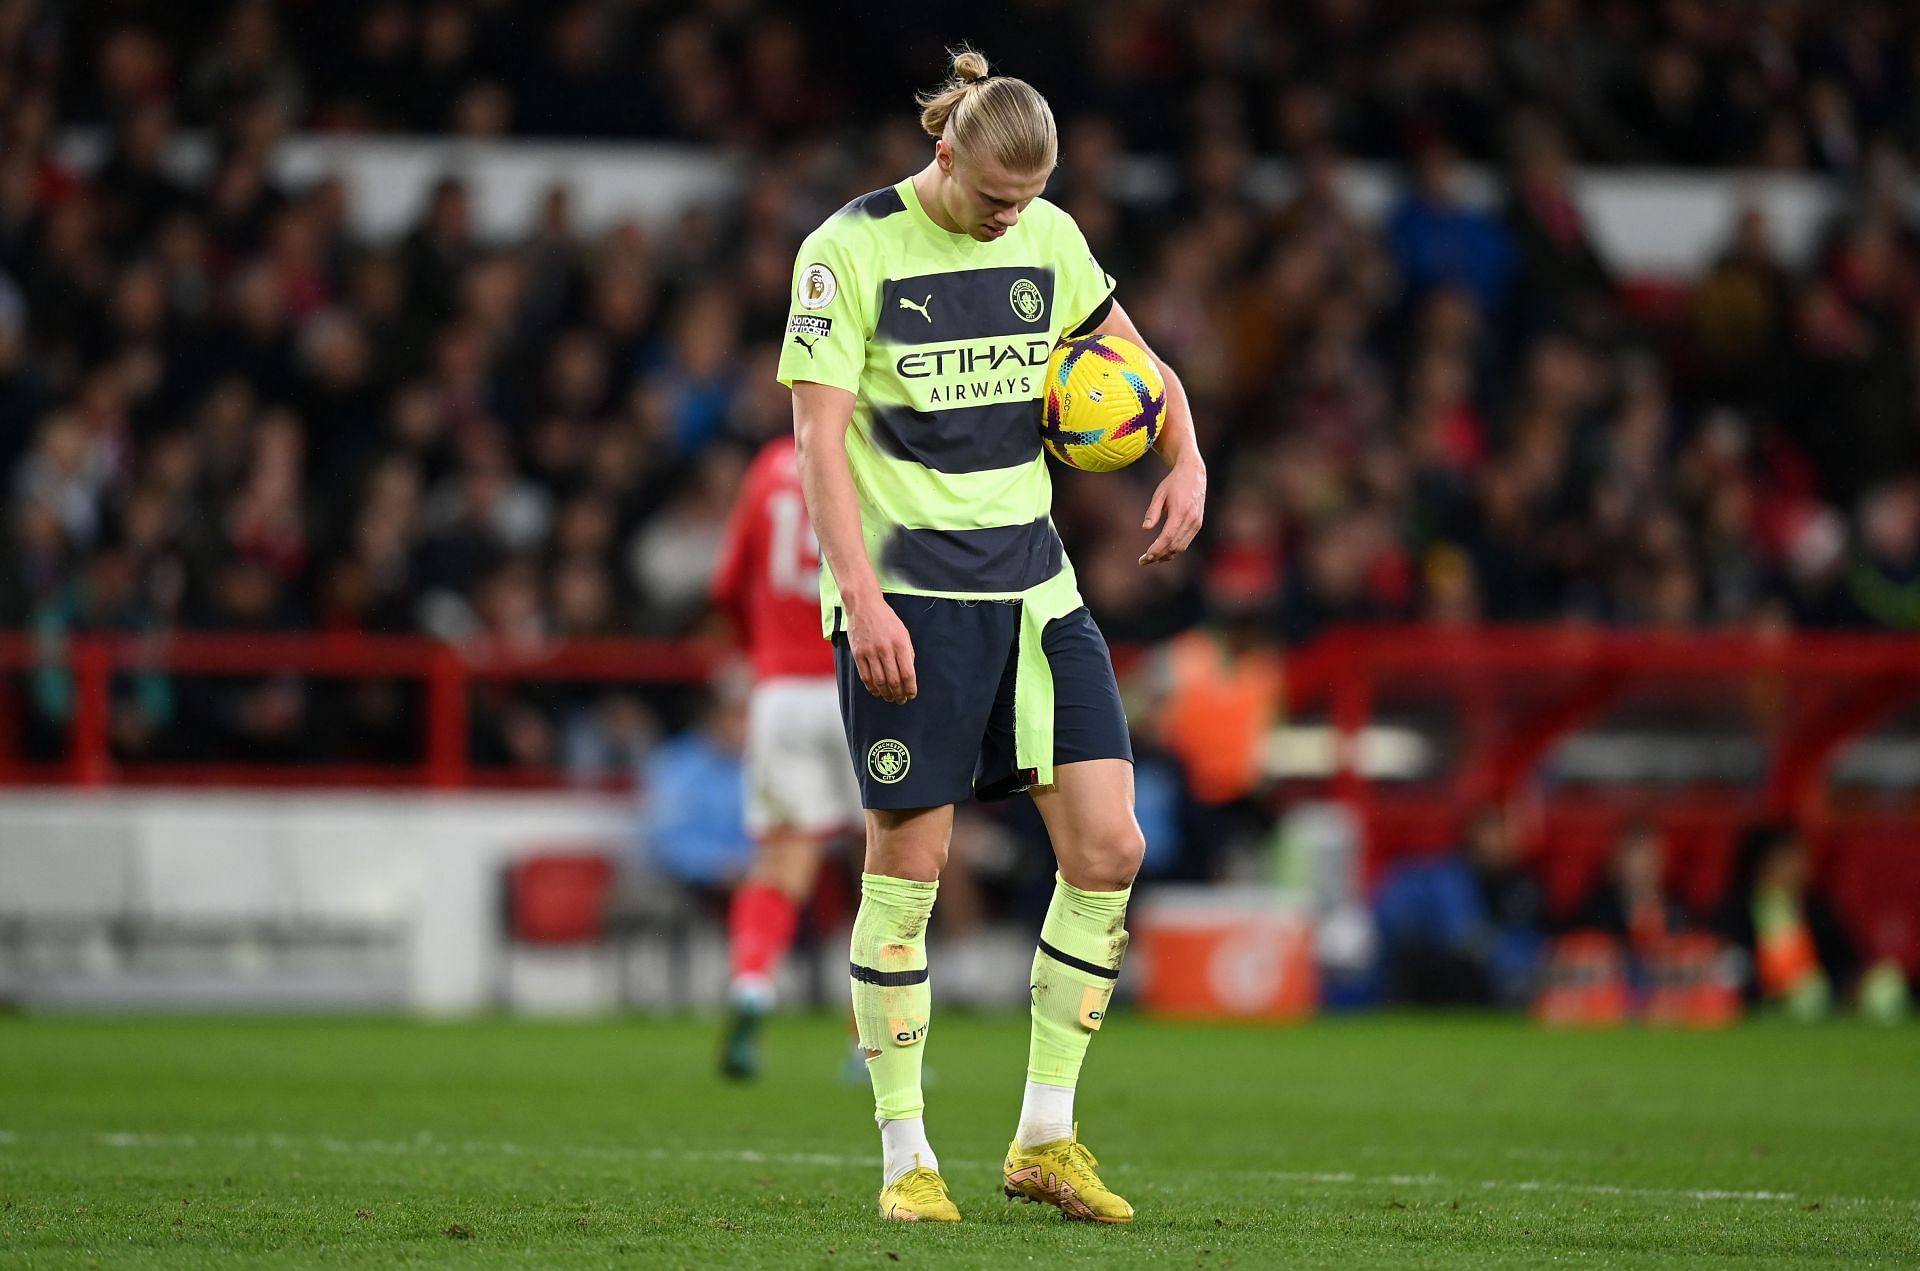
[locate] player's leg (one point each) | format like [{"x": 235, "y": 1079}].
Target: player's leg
[
  {"x": 766, "y": 908},
  {"x": 892, "y": 990},
  {"x": 761, "y": 920},
  {"x": 791, "y": 805},
  {"x": 1089, "y": 817},
  {"x": 914, "y": 761}
]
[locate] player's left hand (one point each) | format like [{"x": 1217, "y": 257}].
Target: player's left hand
[{"x": 1182, "y": 498}]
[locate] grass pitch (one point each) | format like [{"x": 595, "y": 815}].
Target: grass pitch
[{"x": 1381, "y": 1141}]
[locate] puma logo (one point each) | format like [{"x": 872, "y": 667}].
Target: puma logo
[
  {"x": 920, "y": 308},
  {"x": 807, "y": 344}
]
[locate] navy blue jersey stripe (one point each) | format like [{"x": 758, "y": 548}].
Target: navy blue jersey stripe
[
  {"x": 967, "y": 304},
  {"x": 1000, "y": 558},
  {"x": 878, "y": 204},
  {"x": 961, "y": 438}
]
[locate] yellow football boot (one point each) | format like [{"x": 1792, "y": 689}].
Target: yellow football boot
[
  {"x": 919, "y": 1195},
  {"x": 1061, "y": 1174}
]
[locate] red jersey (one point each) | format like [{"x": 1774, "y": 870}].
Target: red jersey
[{"x": 768, "y": 579}]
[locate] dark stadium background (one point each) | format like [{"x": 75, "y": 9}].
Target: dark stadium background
[
  {"x": 313, "y": 478},
  {"x": 376, "y": 378}
]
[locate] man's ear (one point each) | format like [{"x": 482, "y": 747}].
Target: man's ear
[{"x": 943, "y": 155}]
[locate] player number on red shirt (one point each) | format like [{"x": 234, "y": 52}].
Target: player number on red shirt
[{"x": 793, "y": 559}]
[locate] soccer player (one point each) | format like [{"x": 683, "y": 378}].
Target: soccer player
[
  {"x": 923, "y": 316},
  {"x": 800, "y": 787}
]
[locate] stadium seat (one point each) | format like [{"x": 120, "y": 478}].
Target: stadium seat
[
  {"x": 554, "y": 901},
  {"x": 576, "y": 897},
  {"x": 559, "y": 899}
]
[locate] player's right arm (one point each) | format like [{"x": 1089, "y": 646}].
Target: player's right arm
[
  {"x": 882, "y": 651},
  {"x": 822, "y": 360},
  {"x": 738, "y": 549}
]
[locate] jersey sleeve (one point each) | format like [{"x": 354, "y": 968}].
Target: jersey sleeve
[
  {"x": 1085, "y": 289},
  {"x": 826, "y": 337}
]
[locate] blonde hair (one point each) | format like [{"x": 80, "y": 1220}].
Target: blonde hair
[{"x": 995, "y": 117}]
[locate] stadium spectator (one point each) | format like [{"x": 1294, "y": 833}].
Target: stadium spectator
[
  {"x": 1884, "y": 578},
  {"x": 1218, "y": 692},
  {"x": 1564, "y": 283},
  {"x": 1465, "y": 926},
  {"x": 692, "y": 817},
  {"x": 1741, "y": 316},
  {"x": 1630, "y": 900},
  {"x": 104, "y": 599},
  {"x": 255, "y": 718},
  {"x": 1797, "y": 954},
  {"x": 1439, "y": 240}
]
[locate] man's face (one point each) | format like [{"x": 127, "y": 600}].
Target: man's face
[
  {"x": 1638, "y": 862},
  {"x": 1489, "y": 844},
  {"x": 986, "y": 200}
]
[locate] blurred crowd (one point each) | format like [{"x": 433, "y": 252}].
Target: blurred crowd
[
  {"x": 1473, "y": 926},
  {"x": 220, "y": 410},
  {"x": 1783, "y": 84}
]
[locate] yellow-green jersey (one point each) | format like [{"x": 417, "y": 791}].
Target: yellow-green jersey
[{"x": 943, "y": 340}]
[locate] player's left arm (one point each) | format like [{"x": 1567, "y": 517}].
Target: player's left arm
[{"x": 1182, "y": 494}]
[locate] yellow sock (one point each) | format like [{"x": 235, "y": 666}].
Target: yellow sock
[
  {"x": 1074, "y": 971},
  {"x": 892, "y": 998}
]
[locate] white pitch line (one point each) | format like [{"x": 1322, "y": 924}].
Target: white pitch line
[
  {"x": 1542, "y": 1185},
  {"x": 426, "y": 1144}
]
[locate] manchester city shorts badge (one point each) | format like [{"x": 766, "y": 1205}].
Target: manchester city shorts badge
[{"x": 888, "y": 761}]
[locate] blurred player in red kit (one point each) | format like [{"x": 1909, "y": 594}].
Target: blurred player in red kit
[{"x": 801, "y": 790}]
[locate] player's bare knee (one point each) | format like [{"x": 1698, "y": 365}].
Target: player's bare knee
[
  {"x": 1108, "y": 860},
  {"x": 907, "y": 844},
  {"x": 917, "y": 864},
  {"x": 1127, "y": 850}
]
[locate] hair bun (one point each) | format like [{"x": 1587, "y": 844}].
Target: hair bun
[
  {"x": 1008, "y": 122},
  {"x": 969, "y": 65}
]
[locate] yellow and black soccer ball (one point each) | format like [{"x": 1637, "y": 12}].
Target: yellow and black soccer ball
[{"x": 1104, "y": 405}]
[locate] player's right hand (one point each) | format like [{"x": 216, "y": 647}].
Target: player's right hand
[{"x": 882, "y": 652}]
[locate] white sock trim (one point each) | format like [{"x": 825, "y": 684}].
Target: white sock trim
[
  {"x": 751, "y": 992},
  {"x": 903, "y": 1145},
  {"x": 1046, "y": 1115}
]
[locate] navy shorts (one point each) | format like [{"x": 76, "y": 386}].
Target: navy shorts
[{"x": 956, "y": 736}]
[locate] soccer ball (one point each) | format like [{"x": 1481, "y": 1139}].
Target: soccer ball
[{"x": 1105, "y": 403}]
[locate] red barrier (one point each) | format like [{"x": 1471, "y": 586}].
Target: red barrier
[
  {"x": 449, "y": 673},
  {"x": 1516, "y": 694}
]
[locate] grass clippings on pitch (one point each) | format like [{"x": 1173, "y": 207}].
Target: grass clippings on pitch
[{"x": 1466, "y": 1142}]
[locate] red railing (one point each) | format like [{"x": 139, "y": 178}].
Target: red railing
[
  {"x": 447, "y": 672},
  {"x": 1516, "y": 694},
  {"x": 1510, "y": 696},
  {"x": 1580, "y": 673},
  {"x": 1823, "y": 690}
]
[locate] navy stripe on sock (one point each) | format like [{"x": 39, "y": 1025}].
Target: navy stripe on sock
[
  {"x": 886, "y": 979},
  {"x": 1067, "y": 959}
]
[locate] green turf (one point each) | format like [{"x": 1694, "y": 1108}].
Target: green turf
[{"x": 1380, "y": 1141}]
